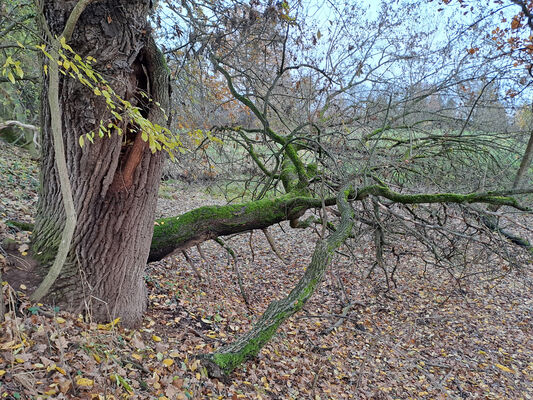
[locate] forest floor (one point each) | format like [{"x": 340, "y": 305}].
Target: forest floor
[{"x": 426, "y": 338}]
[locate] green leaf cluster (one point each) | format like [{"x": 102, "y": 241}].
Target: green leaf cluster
[{"x": 123, "y": 112}]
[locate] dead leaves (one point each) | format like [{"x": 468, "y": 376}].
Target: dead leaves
[{"x": 474, "y": 344}]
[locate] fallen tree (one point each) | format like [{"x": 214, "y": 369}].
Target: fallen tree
[
  {"x": 178, "y": 233},
  {"x": 209, "y": 222},
  {"x": 309, "y": 153},
  {"x": 228, "y": 357}
]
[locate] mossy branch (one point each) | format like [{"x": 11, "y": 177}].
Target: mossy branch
[
  {"x": 494, "y": 197},
  {"x": 226, "y": 359},
  {"x": 290, "y": 151},
  {"x": 204, "y": 223},
  {"x": 209, "y": 222}
]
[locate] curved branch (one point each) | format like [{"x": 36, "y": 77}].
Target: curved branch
[
  {"x": 289, "y": 148},
  {"x": 227, "y": 358}
]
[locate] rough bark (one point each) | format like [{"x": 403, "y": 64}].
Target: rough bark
[
  {"x": 227, "y": 358},
  {"x": 114, "y": 180}
]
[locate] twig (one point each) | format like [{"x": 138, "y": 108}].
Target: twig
[
  {"x": 237, "y": 271},
  {"x": 193, "y": 266},
  {"x": 273, "y": 246},
  {"x": 315, "y": 380},
  {"x": 208, "y": 266},
  {"x": 341, "y": 319},
  {"x": 251, "y": 245}
]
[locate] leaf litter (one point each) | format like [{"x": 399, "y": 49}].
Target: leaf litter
[{"x": 425, "y": 339}]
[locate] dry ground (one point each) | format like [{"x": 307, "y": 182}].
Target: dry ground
[{"x": 425, "y": 339}]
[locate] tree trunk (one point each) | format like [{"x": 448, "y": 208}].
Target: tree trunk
[
  {"x": 115, "y": 180},
  {"x": 524, "y": 164},
  {"x": 491, "y": 221}
]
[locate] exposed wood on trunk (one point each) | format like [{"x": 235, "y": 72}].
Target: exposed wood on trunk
[{"x": 124, "y": 178}]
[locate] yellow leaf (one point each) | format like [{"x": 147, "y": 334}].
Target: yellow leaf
[
  {"x": 19, "y": 360},
  {"x": 61, "y": 370},
  {"x": 2, "y": 372},
  {"x": 504, "y": 368},
  {"x": 11, "y": 77},
  {"x": 50, "y": 392},
  {"x": 194, "y": 365},
  {"x": 60, "y": 320},
  {"x": 156, "y": 338},
  {"x": 84, "y": 382},
  {"x": 97, "y": 358},
  {"x": 168, "y": 362},
  {"x": 109, "y": 326},
  {"x": 23, "y": 287},
  {"x": 138, "y": 357}
]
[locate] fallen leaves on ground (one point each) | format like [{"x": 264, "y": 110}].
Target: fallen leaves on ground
[{"x": 426, "y": 339}]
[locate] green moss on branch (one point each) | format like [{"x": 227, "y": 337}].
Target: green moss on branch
[
  {"x": 227, "y": 358},
  {"x": 196, "y": 226},
  {"x": 500, "y": 198}
]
